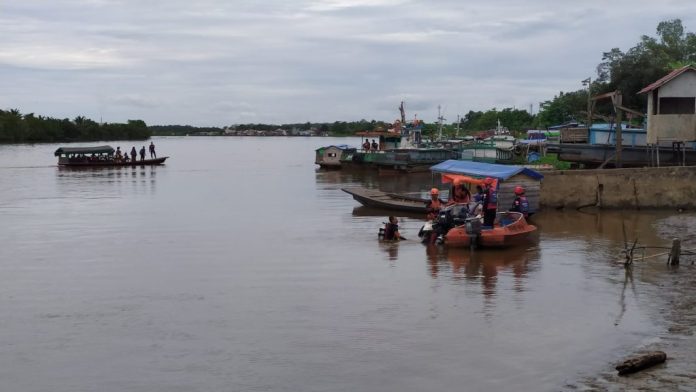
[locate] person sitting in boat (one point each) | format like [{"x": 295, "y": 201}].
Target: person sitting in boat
[
  {"x": 391, "y": 229},
  {"x": 125, "y": 158},
  {"x": 433, "y": 206},
  {"x": 520, "y": 204},
  {"x": 459, "y": 194},
  {"x": 490, "y": 202}
]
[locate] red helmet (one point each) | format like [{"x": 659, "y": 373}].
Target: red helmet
[{"x": 519, "y": 190}]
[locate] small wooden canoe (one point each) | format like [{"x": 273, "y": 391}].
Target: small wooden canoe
[{"x": 388, "y": 201}]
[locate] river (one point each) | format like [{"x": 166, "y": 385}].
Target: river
[{"x": 239, "y": 266}]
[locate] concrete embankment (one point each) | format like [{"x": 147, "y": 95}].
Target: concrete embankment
[{"x": 664, "y": 187}]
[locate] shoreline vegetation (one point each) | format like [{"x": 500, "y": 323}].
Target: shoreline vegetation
[
  {"x": 16, "y": 127},
  {"x": 649, "y": 60}
]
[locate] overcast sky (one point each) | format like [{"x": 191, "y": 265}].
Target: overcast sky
[{"x": 216, "y": 62}]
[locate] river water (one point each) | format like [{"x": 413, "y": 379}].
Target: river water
[{"x": 239, "y": 266}]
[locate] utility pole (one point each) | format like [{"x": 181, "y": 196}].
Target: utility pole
[
  {"x": 618, "y": 102},
  {"x": 440, "y": 119},
  {"x": 458, "y": 120},
  {"x": 588, "y": 82}
]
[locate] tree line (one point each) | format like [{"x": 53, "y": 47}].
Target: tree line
[
  {"x": 16, "y": 127},
  {"x": 337, "y": 128}
]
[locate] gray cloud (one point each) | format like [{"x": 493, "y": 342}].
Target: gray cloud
[{"x": 221, "y": 62}]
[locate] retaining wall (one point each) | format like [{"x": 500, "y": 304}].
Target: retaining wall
[{"x": 665, "y": 187}]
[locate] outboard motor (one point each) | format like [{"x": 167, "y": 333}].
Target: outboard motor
[{"x": 448, "y": 217}]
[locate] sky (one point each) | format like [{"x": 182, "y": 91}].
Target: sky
[{"x": 218, "y": 63}]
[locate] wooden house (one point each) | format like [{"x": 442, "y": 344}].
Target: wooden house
[{"x": 672, "y": 107}]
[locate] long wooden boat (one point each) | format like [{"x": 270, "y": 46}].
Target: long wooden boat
[
  {"x": 389, "y": 201},
  {"x": 99, "y": 156}
]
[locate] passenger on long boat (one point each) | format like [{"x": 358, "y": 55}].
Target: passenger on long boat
[{"x": 102, "y": 156}]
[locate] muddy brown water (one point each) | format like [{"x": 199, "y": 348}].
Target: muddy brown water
[{"x": 239, "y": 266}]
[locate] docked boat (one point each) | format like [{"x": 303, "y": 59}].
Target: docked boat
[
  {"x": 388, "y": 201},
  {"x": 98, "y": 156},
  {"x": 412, "y": 160},
  {"x": 331, "y": 157}
]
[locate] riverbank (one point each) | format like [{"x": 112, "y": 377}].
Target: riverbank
[
  {"x": 633, "y": 188},
  {"x": 674, "y": 311}
]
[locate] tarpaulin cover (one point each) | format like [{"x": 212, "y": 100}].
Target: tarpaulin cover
[
  {"x": 447, "y": 178},
  {"x": 481, "y": 169}
]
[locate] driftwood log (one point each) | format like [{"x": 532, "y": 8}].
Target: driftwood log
[{"x": 640, "y": 362}]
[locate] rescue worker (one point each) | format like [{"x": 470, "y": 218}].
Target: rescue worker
[
  {"x": 391, "y": 229},
  {"x": 433, "y": 206},
  {"x": 490, "y": 202},
  {"x": 459, "y": 194},
  {"x": 520, "y": 204}
]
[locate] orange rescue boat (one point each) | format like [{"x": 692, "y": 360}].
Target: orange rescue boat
[{"x": 510, "y": 229}]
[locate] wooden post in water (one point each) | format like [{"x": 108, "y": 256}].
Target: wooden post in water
[
  {"x": 673, "y": 258},
  {"x": 618, "y": 101}
]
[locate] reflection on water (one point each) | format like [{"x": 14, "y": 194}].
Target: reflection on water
[
  {"x": 249, "y": 269},
  {"x": 86, "y": 181}
]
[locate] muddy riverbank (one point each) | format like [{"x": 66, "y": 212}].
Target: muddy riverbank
[{"x": 674, "y": 310}]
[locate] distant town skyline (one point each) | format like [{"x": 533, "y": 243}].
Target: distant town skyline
[{"x": 218, "y": 63}]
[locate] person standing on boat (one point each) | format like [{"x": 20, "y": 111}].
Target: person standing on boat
[
  {"x": 459, "y": 193},
  {"x": 134, "y": 155},
  {"x": 142, "y": 153},
  {"x": 152, "y": 150},
  {"x": 375, "y": 146},
  {"x": 366, "y": 145},
  {"x": 118, "y": 156},
  {"x": 490, "y": 202},
  {"x": 433, "y": 206},
  {"x": 478, "y": 197},
  {"x": 520, "y": 204}
]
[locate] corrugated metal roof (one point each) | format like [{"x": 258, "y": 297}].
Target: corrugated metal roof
[
  {"x": 665, "y": 79},
  {"x": 84, "y": 150}
]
